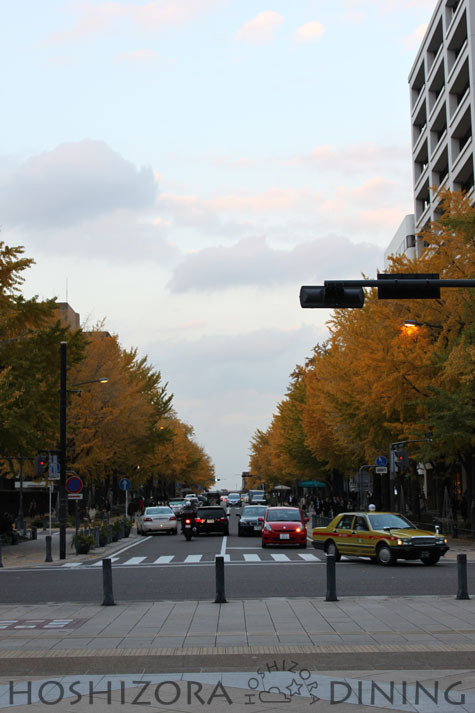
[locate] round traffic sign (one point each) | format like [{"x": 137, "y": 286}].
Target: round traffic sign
[
  {"x": 74, "y": 484},
  {"x": 381, "y": 461},
  {"x": 124, "y": 483}
]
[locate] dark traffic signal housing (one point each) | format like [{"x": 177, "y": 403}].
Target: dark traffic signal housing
[
  {"x": 342, "y": 294},
  {"x": 41, "y": 464},
  {"x": 401, "y": 460},
  {"x": 334, "y": 296}
]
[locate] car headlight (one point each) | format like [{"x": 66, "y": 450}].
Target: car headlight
[
  {"x": 267, "y": 527},
  {"x": 405, "y": 541},
  {"x": 440, "y": 541}
]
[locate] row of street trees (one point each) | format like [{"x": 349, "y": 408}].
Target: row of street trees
[
  {"x": 126, "y": 427},
  {"x": 375, "y": 381}
]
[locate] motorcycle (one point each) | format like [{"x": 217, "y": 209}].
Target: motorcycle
[{"x": 189, "y": 527}]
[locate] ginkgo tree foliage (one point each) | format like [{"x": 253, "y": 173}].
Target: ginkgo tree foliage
[
  {"x": 125, "y": 427},
  {"x": 374, "y": 381},
  {"x": 29, "y": 362}
]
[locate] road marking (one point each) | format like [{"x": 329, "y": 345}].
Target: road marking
[
  {"x": 193, "y": 558},
  {"x": 227, "y": 558},
  {"x": 135, "y": 560},
  {"x": 280, "y": 558},
  {"x": 134, "y": 544},
  {"x": 164, "y": 559},
  {"x": 252, "y": 558},
  {"x": 308, "y": 557},
  {"x": 223, "y": 546},
  {"x": 72, "y": 564},
  {"x": 99, "y": 564}
]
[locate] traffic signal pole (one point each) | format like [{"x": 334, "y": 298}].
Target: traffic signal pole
[{"x": 63, "y": 514}]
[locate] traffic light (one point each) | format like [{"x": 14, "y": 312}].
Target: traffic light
[
  {"x": 401, "y": 460},
  {"x": 41, "y": 464},
  {"x": 331, "y": 296},
  {"x": 400, "y": 291}
]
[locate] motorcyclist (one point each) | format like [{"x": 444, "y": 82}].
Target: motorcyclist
[{"x": 188, "y": 512}]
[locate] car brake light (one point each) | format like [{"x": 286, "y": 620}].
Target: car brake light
[
  {"x": 198, "y": 519},
  {"x": 187, "y": 521},
  {"x": 172, "y": 517},
  {"x": 147, "y": 519}
]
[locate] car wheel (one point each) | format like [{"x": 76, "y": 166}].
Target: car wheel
[
  {"x": 433, "y": 559},
  {"x": 332, "y": 549},
  {"x": 384, "y": 556},
  {"x": 175, "y": 532},
  {"x": 264, "y": 544},
  {"x": 240, "y": 532},
  {"x": 303, "y": 546}
]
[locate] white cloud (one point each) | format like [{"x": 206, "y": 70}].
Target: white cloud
[
  {"x": 73, "y": 182},
  {"x": 355, "y": 158},
  {"x": 141, "y": 56},
  {"x": 308, "y": 32},
  {"x": 414, "y": 39},
  {"x": 261, "y": 29},
  {"x": 252, "y": 261},
  {"x": 152, "y": 15}
]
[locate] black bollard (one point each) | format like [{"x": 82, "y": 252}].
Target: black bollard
[
  {"x": 44, "y": 524},
  {"x": 97, "y": 536},
  {"x": 108, "y": 600},
  {"x": 462, "y": 577},
  {"x": 48, "y": 539},
  {"x": 34, "y": 532},
  {"x": 1, "y": 562},
  {"x": 220, "y": 596},
  {"x": 109, "y": 536},
  {"x": 331, "y": 579}
]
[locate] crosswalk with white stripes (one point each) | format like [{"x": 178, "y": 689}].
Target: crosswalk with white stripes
[{"x": 235, "y": 558}]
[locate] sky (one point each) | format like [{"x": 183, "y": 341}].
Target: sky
[{"x": 179, "y": 168}]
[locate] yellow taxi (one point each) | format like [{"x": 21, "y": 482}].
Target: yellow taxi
[{"x": 384, "y": 537}]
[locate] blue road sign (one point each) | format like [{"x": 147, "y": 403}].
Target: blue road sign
[
  {"x": 381, "y": 461},
  {"x": 124, "y": 483}
]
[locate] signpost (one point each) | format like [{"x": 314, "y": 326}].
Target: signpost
[
  {"x": 124, "y": 484},
  {"x": 74, "y": 486}
]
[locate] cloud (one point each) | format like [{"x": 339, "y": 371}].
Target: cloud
[
  {"x": 261, "y": 29},
  {"x": 355, "y": 158},
  {"x": 308, "y": 32},
  {"x": 414, "y": 39},
  {"x": 252, "y": 261},
  {"x": 73, "y": 182},
  {"x": 141, "y": 56},
  {"x": 152, "y": 15}
]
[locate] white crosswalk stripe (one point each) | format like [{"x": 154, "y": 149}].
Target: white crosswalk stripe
[
  {"x": 280, "y": 558},
  {"x": 99, "y": 564},
  {"x": 135, "y": 560},
  {"x": 164, "y": 559},
  {"x": 308, "y": 557},
  {"x": 193, "y": 558},
  {"x": 252, "y": 558}
]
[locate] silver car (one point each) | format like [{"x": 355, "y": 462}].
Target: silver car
[{"x": 159, "y": 518}]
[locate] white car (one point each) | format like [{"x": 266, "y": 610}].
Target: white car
[{"x": 158, "y": 518}]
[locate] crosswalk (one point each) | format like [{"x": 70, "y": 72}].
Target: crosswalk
[{"x": 209, "y": 558}]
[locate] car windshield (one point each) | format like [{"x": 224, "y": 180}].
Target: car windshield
[
  {"x": 158, "y": 511},
  {"x": 398, "y": 522},
  {"x": 280, "y": 515},
  {"x": 254, "y": 511},
  {"x": 176, "y": 502},
  {"x": 211, "y": 512}
]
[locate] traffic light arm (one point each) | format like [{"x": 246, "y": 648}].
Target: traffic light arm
[{"x": 341, "y": 294}]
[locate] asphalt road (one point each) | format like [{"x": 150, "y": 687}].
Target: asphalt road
[{"x": 169, "y": 568}]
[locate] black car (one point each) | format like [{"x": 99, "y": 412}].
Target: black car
[
  {"x": 251, "y": 519},
  {"x": 212, "y": 518}
]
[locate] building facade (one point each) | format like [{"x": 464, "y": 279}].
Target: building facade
[
  {"x": 442, "y": 102},
  {"x": 441, "y": 84}
]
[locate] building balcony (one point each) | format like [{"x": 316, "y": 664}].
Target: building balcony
[
  {"x": 453, "y": 23},
  {"x": 435, "y": 64},
  {"x": 420, "y": 140},
  {"x": 441, "y": 144},
  {"x": 458, "y": 62},
  {"x": 419, "y": 100},
  {"x": 420, "y": 179},
  {"x": 467, "y": 149},
  {"x": 460, "y": 110}
]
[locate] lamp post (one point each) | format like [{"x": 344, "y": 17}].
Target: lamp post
[{"x": 63, "y": 501}]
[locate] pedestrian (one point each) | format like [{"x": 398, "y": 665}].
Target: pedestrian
[{"x": 32, "y": 509}]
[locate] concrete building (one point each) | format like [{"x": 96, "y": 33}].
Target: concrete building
[{"x": 442, "y": 101}]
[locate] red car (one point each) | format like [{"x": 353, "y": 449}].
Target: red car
[{"x": 284, "y": 526}]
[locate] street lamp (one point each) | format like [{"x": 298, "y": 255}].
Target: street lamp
[{"x": 62, "y": 446}]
